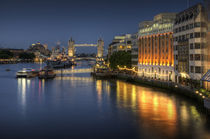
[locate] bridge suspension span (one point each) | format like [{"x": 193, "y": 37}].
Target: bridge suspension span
[{"x": 72, "y": 45}]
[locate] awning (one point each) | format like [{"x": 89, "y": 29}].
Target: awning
[{"x": 206, "y": 77}]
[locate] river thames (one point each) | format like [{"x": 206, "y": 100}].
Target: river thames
[{"x": 79, "y": 106}]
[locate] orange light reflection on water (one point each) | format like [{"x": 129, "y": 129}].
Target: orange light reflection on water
[{"x": 155, "y": 109}]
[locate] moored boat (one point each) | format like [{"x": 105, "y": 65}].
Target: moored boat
[
  {"x": 59, "y": 64},
  {"x": 47, "y": 73},
  {"x": 27, "y": 73}
]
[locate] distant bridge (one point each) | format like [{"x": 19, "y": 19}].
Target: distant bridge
[
  {"x": 71, "y": 71},
  {"x": 85, "y": 58},
  {"x": 85, "y": 44}
]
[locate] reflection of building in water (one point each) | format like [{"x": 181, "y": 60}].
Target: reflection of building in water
[
  {"x": 99, "y": 89},
  {"x": 82, "y": 79},
  {"x": 103, "y": 89},
  {"x": 23, "y": 85},
  {"x": 155, "y": 109},
  {"x": 41, "y": 86},
  {"x": 126, "y": 94}
]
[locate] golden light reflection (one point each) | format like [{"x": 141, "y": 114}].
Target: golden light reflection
[
  {"x": 171, "y": 109},
  {"x": 133, "y": 96},
  {"x": 82, "y": 79},
  {"x": 184, "y": 113},
  {"x": 99, "y": 90},
  {"x": 107, "y": 87},
  {"x": 195, "y": 113},
  {"x": 23, "y": 85},
  {"x": 154, "y": 108},
  {"x": 155, "y": 103}
]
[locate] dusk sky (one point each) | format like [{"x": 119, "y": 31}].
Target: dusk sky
[{"x": 24, "y": 22}]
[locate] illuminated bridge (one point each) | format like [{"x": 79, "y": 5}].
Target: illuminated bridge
[
  {"x": 85, "y": 58},
  {"x": 71, "y": 71}
]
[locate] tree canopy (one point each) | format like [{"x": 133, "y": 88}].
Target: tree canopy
[
  {"x": 120, "y": 58},
  {"x": 5, "y": 54},
  {"x": 25, "y": 55}
]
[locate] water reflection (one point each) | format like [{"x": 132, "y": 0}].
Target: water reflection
[
  {"x": 156, "y": 111},
  {"x": 41, "y": 88},
  {"x": 77, "y": 102},
  {"x": 23, "y": 84},
  {"x": 99, "y": 90}
]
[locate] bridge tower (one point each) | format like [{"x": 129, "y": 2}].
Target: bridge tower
[
  {"x": 100, "y": 48},
  {"x": 71, "y": 48}
]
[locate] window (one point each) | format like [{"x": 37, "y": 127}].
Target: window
[
  {"x": 187, "y": 36},
  {"x": 176, "y": 67},
  {"x": 187, "y": 27},
  {"x": 191, "y": 69},
  {"x": 197, "y": 45},
  {"x": 191, "y": 35},
  {"x": 197, "y": 34},
  {"x": 191, "y": 15},
  {"x": 183, "y": 28},
  {"x": 203, "y": 24},
  {"x": 128, "y": 42},
  {"x": 191, "y": 57},
  {"x": 183, "y": 37},
  {"x": 191, "y": 26},
  {"x": 197, "y": 69},
  {"x": 191, "y": 46},
  {"x": 180, "y": 37},
  {"x": 180, "y": 29},
  {"x": 176, "y": 57},
  {"x": 197, "y": 57},
  {"x": 203, "y": 45},
  {"x": 197, "y": 24},
  {"x": 203, "y": 34},
  {"x": 176, "y": 47}
]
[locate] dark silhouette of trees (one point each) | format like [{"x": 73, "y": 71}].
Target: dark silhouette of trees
[
  {"x": 120, "y": 58},
  {"x": 5, "y": 54},
  {"x": 25, "y": 55}
]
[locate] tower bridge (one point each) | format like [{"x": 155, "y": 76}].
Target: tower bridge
[
  {"x": 85, "y": 44},
  {"x": 99, "y": 45}
]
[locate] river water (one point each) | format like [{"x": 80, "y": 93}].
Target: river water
[{"x": 79, "y": 106}]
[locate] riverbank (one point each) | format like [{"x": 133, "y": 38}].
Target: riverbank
[
  {"x": 15, "y": 61},
  {"x": 186, "y": 91}
]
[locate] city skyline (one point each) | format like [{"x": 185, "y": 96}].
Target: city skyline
[{"x": 26, "y": 22}]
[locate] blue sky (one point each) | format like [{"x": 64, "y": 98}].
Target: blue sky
[{"x": 24, "y": 22}]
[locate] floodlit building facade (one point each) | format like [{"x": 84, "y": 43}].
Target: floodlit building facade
[
  {"x": 155, "y": 40},
  {"x": 190, "y": 43}
]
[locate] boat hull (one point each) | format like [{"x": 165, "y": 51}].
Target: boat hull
[{"x": 47, "y": 77}]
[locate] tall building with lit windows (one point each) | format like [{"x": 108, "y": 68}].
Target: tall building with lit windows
[
  {"x": 120, "y": 43},
  {"x": 190, "y": 43},
  {"x": 156, "y": 57}
]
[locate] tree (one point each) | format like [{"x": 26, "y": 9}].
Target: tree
[
  {"x": 120, "y": 58},
  {"x": 25, "y": 55},
  {"x": 6, "y": 54}
]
